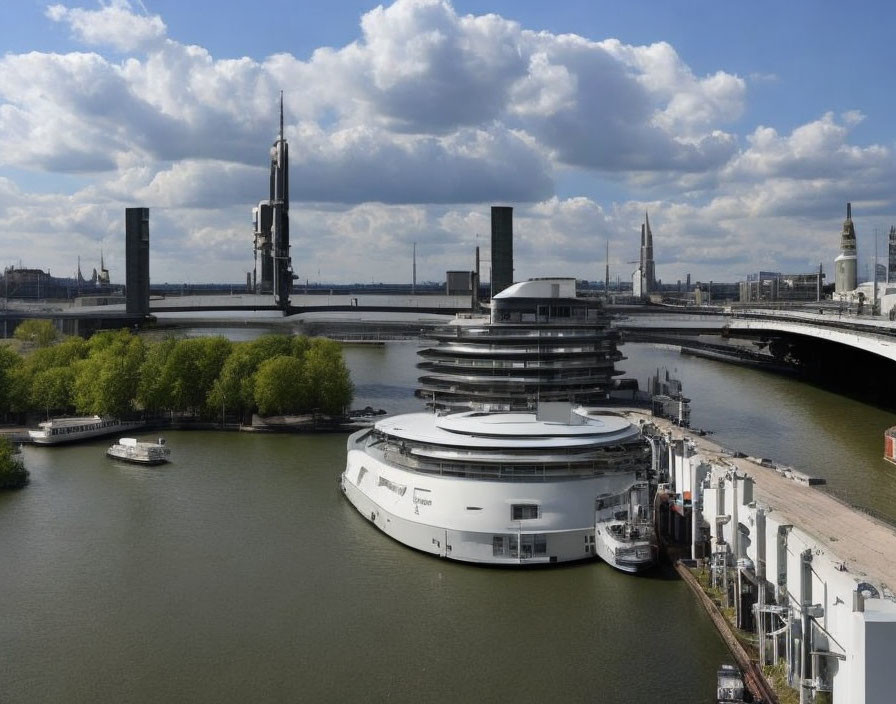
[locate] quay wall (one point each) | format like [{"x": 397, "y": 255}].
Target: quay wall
[{"x": 808, "y": 575}]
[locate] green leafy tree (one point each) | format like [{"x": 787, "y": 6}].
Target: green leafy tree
[
  {"x": 327, "y": 379},
  {"x": 190, "y": 371},
  {"x": 280, "y": 387},
  {"x": 40, "y": 332},
  {"x": 52, "y": 389},
  {"x": 9, "y": 360},
  {"x": 106, "y": 382},
  {"x": 234, "y": 389},
  {"x": 13, "y": 474},
  {"x": 32, "y": 385},
  {"x": 152, "y": 393}
]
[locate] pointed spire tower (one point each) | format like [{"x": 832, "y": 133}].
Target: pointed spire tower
[
  {"x": 272, "y": 227},
  {"x": 283, "y": 275},
  {"x": 647, "y": 269},
  {"x": 845, "y": 265}
]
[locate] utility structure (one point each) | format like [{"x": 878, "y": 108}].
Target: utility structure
[
  {"x": 846, "y": 262},
  {"x": 644, "y": 279},
  {"x": 271, "y": 219},
  {"x": 137, "y": 261},
  {"x": 891, "y": 259},
  {"x": 502, "y": 248}
]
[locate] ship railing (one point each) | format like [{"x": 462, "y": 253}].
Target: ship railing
[{"x": 510, "y": 472}]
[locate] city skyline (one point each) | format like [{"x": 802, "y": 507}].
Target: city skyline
[{"x": 743, "y": 131}]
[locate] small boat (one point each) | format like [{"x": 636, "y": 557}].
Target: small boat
[
  {"x": 623, "y": 532},
  {"x": 890, "y": 445},
  {"x": 730, "y": 687},
  {"x": 57, "y": 431},
  {"x": 131, "y": 450}
]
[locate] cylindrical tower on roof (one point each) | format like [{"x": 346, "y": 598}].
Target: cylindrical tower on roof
[{"x": 845, "y": 265}]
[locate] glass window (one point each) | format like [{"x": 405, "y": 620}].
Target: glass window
[
  {"x": 499, "y": 546},
  {"x": 521, "y": 512}
]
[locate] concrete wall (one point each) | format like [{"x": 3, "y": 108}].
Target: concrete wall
[{"x": 842, "y": 632}]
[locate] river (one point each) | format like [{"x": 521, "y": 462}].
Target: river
[{"x": 238, "y": 572}]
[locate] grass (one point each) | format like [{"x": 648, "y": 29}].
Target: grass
[{"x": 777, "y": 676}]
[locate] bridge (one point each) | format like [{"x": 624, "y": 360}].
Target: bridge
[
  {"x": 868, "y": 334},
  {"x": 244, "y": 309}
]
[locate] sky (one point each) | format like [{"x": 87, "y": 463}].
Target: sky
[{"x": 742, "y": 128}]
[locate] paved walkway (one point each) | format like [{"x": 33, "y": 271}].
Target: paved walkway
[{"x": 865, "y": 544}]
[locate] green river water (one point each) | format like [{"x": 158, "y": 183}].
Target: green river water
[{"x": 238, "y": 573}]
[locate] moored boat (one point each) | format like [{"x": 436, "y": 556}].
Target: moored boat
[
  {"x": 623, "y": 532},
  {"x": 132, "y": 450},
  {"x": 498, "y": 488},
  {"x": 890, "y": 445},
  {"x": 58, "y": 431}
]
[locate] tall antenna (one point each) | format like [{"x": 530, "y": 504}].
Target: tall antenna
[
  {"x": 607, "y": 273},
  {"x": 281, "y": 115},
  {"x": 414, "y": 280}
]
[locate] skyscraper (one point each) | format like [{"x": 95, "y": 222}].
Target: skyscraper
[
  {"x": 644, "y": 279},
  {"x": 272, "y": 226},
  {"x": 502, "y": 248},
  {"x": 136, "y": 222},
  {"x": 846, "y": 262}
]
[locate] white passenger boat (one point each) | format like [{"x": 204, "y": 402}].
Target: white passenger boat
[
  {"x": 623, "y": 532},
  {"x": 131, "y": 450},
  {"x": 499, "y": 488},
  {"x": 57, "y": 431}
]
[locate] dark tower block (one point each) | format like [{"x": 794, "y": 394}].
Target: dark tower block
[
  {"x": 272, "y": 227},
  {"x": 264, "y": 260},
  {"x": 502, "y": 248},
  {"x": 280, "y": 217},
  {"x": 137, "y": 261}
]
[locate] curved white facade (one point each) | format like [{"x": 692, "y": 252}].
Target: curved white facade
[{"x": 492, "y": 488}]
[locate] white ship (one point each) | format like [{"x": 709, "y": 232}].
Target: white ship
[
  {"x": 131, "y": 450},
  {"x": 57, "y": 431},
  {"x": 498, "y": 488},
  {"x": 624, "y": 533}
]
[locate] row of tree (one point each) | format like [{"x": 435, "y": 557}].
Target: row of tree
[
  {"x": 118, "y": 374},
  {"x": 13, "y": 474}
]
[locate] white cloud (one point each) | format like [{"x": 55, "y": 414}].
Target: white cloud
[
  {"x": 114, "y": 24},
  {"x": 407, "y": 134}
]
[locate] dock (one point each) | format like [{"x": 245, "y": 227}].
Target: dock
[
  {"x": 808, "y": 578},
  {"x": 866, "y": 545}
]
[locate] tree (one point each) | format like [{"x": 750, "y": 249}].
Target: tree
[
  {"x": 190, "y": 371},
  {"x": 152, "y": 393},
  {"x": 280, "y": 387},
  {"x": 235, "y": 387},
  {"x": 31, "y": 379},
  {"x": 52, "y": 389},
  {"x": 40, "y": 332},
  {"x": 327, "y": 379},
  {"x": 106, "y": 382},
  {"x": 9, "y": 360},
  {"x": 13, "y": 474}
]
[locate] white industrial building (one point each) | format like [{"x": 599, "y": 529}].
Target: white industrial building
[{"x": 833, "y": 626}]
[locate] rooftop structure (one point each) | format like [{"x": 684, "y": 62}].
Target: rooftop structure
[
  {"x": 502, "y": 248},
  {"x": 541, "y": 343},
  {"x": 845, "y": 265}
]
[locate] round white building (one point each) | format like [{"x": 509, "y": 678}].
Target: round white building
[{"x": 499, "y": 488}]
